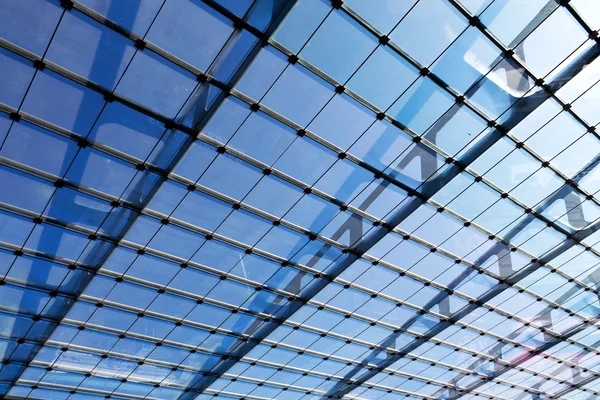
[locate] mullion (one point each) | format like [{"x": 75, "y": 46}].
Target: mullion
[
  {"x": 343, "y": 8},
  {"x": 544, "y": 219},
  {"x": 134, "y": 335},
  {"x": 160, "y": 363},
  {"x": 241, "y": 281},
  {"x": 440, "y": 82},
  {"x": 136, "y": 174}
]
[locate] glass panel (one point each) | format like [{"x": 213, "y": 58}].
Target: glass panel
[
  {"x": 191, "y": 31},
  {"x": 419, "y": 33},
  {"x": 291, "y": 234},
  {"x": 338, "y": 47}
]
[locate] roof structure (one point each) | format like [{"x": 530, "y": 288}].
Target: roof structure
[{"x": 299, "y": 199}]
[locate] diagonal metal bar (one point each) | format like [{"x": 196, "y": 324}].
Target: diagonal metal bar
[
  {"x": 527, "y": 355},
  {"x": 524, "y": 108},
  {"x": 576, "y": 218},
  {"x": 362, "y": 245},
  {"x": 579, "y": 384},
  {"x": 543, "y": 317},
  {"x": 201, "y": 111},
  {"x": 577, "y": 380},
  {"x": 54, "y": 239},
  {"x": 500, "y": 247}
]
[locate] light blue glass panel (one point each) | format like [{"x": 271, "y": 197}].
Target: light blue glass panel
[
  {"x": 263, "y": 138},
  {"x": 507, "y": 19},
  {"x": 298, "y": 95},
  {"x": 382, "y": 78},
  {"x": 428, "y": 29},
  {"x": 63, "y": 102},
  {"x": 421, "y": 105},
  {"x": 262, "y": 73},
  {"x": 136, "y": 15},
  {"x": 301, "y": 22},
  {"x": 90, "y": 49},
  {"x": 156, "y": 83},
  {"x": 39, "y": 148},
  {"x": 467, "y": 60},
  {"x": 15, "y": 75},
  {"x": 126, "y": 130},
  {"x": 339, "y": 46},
  {"x": 16, "y": 26},
  {"x": 382, "y": 14},
  {"x": 190, "y": 30},
  {"x": 547, "y": 46},
  {"x": 342, "y": 121}
]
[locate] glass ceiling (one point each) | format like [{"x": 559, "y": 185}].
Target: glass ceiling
[{"x": 299, "y": 199}]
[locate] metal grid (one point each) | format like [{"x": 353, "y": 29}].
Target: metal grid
[{"x": 273, "y": 229}]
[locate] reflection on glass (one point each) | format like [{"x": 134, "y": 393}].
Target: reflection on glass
[{"x": 324, "y": 212}]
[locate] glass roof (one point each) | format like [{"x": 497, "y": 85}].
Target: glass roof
[{"x": 299, "y": 199}]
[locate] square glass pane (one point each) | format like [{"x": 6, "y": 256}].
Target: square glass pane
[
  {"x": 547, "y": 47},
  {"x": 384, "y": 15},
  {"x": 156, "y": 83},
  {"x": 15, "y": 75},
  {"x": 190, "y": 30},
  {"x": 16, "y": 27},
  {"x": 339, "y": 46},
  {"x": 342, "y": 121},
  {"x": 90, "y": 49},
  {"x": 428, "y": 29},
  {"x": 298, "y": 95},
  {"x": 134, "y": 16}
]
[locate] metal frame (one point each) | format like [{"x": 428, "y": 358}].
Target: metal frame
[
  {"x": 202, "y": 113},
  {"x": 429, "y": 189}
]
